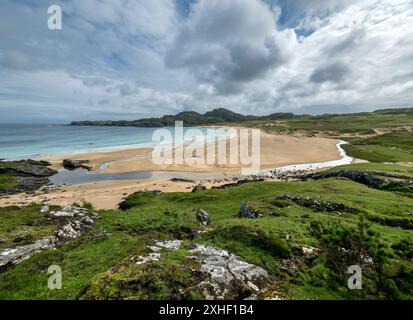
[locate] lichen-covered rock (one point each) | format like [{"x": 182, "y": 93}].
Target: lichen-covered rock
[
  {"x": 247, "y": 212},
  {"x": 171, "y": 244},
  {"x": 227, "y": 274},
  {"x": 76, "y": 221},
  {"x": 11, "y": 257},
  {"x": 203, "y": 216}
]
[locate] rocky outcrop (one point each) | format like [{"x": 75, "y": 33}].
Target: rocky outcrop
[
  {"x": 318, "y": 205},
  {"x": 227, "y": 274},
  {"x": 70, "y": 164},
  {"x": 239, "y": 183},
  {"x": 247, "y": 212},
  {"x": 30, "y": 175},
  {"x": 203, "y": 216},
  {"x": 376, "y": 180},
  {"x": 75, "y": 221},
  {"x": 27, "y": 168}
]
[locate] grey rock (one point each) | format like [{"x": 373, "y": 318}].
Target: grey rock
[
  {"x": 76, "y": 222},
  {"x": 11, "y": 257},
  {"x": 171, "y": 244},
  {"x": 247, "y": 212},
  {"x": 227, "y": 273},
  {"x": 203, "y": 216}
]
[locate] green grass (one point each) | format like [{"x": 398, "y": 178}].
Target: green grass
[
  {"x": 24, "y": 225},
  {"x": 171, "y": 215},
  {"x": 391, "y": 147},
  {"x": 7, "y": 182},
  {"x": 80, "y": 262},
  {"x": 339, "y": 123}
]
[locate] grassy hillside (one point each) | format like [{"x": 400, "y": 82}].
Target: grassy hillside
[
  {"x": 343, "y": 220},
  {"x": 273, "y": 242},
  {"x": 341, "y": 123},
  {"x": 390, "y": 147}
]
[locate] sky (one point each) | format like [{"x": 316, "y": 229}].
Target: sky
[{"x": 129, "y": 59}]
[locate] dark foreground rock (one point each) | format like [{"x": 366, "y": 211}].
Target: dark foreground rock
[
  {"x": 318, "y": 205},
  {"x": 75, "y": 222},
  {"x": 76, "y": 164},
  {"x": 26, "y": 168},
  {"x": 239, "y": 183},
  {"x": 31, "y": 175},
  {"x": 375, "y": 180}
]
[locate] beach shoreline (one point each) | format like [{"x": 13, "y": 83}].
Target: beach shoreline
[{"x": 277, "y": 152}]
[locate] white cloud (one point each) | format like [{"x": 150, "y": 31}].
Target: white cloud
[{"x": 122, "y": 59}]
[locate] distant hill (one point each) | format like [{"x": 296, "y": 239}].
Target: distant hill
[
  {"x": 190, "y": 118},
  {"x": 222, "y": 115}
]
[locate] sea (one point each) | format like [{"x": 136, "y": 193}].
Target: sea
[{"x": 23, "y": 141}]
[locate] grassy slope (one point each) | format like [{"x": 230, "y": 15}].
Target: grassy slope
[
  {"x": 261, "y": 241},
  {"x": 391, "y": 147},
  {"x": 345, "y": 123},
  {"x": 171, "y": 215}
]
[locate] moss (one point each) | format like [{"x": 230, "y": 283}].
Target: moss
[
  {"x": 171, "y": 278},
  {"x": 7, "y": 182}
]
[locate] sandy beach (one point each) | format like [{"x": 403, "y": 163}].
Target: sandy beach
[{"x": 276, "y": 151}]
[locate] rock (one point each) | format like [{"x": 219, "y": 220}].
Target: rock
[
  {"x": 182, "y": 180},
  {"x": 307, "y": 250},
  {"x": 11, "y": 257},
  {"x": 203, "y": 216},
  {"x": 27, "y": 168},
  {"x": 318, "y": 205},
  {"x": 171, "y": 244},
  {"x": 76, "y": 222},
  {"x": 373, "y": 180},
  {"x": 70, "y": 164},
  {"x": 238, "y": 183},
  {"x": 150, "y": 257},
  {"x": 45, "y": 209},
  {"x": 247, "y": 212},
  {"x": 227, "y": 273},
  {"x": 198, "y": 188},
  {"x": 31, "y": 175}
]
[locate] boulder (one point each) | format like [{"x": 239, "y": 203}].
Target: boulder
[
  {"x": 247, "y": 212},
  {"x": 203, "y": 216},
  {"x": 70, "y": 164}
]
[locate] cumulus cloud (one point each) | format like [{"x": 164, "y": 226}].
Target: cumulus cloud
[
  {"x": 229, "y": 43},
  {"x": 335, "y": 73},
  {"x": 137, "y": 58}
]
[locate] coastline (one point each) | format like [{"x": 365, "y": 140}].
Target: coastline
[
  {"x": 295, "y": 154},
  {"x": 276, "y": 151}
]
